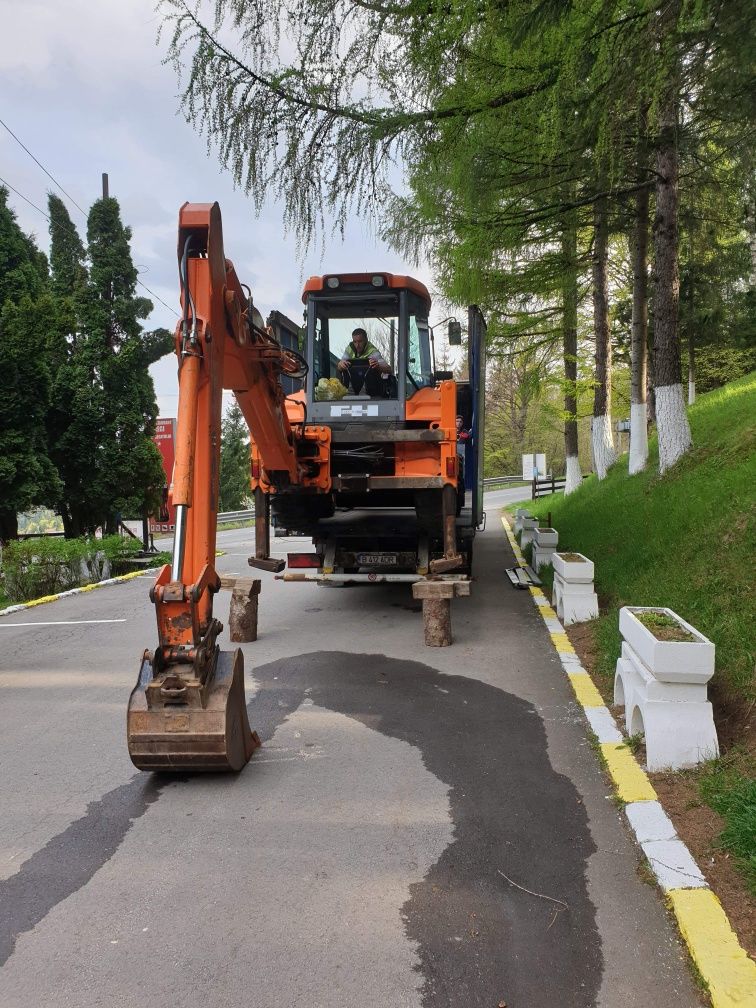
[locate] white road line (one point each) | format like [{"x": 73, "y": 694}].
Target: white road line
[{"x": 68, "y": 622}]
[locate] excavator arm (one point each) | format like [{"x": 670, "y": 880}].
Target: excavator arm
[{"x": 187, "y": 710}]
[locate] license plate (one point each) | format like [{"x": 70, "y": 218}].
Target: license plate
[{"x": 375, "y": 559}]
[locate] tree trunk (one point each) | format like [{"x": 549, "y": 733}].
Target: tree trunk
[
  {"x": 671, "y": 418},
  {"x": 573, "y": 475},
  {"x": 8, "y": 525},
  {"x": 602, "y": 440},
  {"x": 639, "y": 330},
  {"x": 691, "y": 367}
]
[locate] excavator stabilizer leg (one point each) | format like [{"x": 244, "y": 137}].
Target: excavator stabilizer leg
[{"x": 176, "y": 725}]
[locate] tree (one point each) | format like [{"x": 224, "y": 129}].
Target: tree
[
  {"x": 234, "y": 465},
  {"x": 27, "y": 476},
  {"x": 111, "y": 377}
]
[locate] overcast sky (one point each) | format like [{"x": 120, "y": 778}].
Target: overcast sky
[{"x": 84, "y": 88}]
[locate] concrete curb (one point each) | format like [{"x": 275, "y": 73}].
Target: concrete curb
[
  {"x": 77, "y": 591},
  {"x": 724, "y": 965}
]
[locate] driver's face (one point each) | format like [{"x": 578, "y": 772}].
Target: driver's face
[{"x": 359, "y": 342}]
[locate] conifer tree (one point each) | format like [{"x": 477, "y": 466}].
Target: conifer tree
[
  {"x": 234, "y": 462},
  {"x": 27, "y": 476},
  {"x": 112, "y": 360}
]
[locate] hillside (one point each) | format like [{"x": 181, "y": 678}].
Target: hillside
[{"x": 686, "y": 540}]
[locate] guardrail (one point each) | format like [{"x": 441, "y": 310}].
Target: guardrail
[
  {"x": 225, "y": 517},
  {"x": 501, "y": 480}
]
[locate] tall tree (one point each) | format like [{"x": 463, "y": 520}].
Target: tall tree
[
  {"x": 27, "y": 476},
  {"x": 671, "y": 417},
  {"x": 77, "y": 402},
  {"x": 116, "y": 353},
  {"x": 639, "y": 325},
  {"x": 234, "y": 491}
]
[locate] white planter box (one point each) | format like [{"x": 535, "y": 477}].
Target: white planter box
[
  {"x": 529, "y": 525},
  {"x": 668, "y": 661},
  {"x": 576, "y": 571},
  {"x": 546, "y": 537},
  {"x": 520, "y": 515}
]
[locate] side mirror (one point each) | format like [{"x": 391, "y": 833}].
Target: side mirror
[{"x": 455, "y": 333}]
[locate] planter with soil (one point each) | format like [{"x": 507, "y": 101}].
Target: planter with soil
[{"x": 671, "y": 649}]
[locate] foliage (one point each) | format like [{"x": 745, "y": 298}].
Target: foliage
[
  {"x": 27, "y": 476},
  {"x": 45, "y": 565},
  {"x": 234, "y": 466}
]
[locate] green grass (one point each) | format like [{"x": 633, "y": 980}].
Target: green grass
[
  {"x": 728, "y": 785},
  {"x": 684, "y": 540}
]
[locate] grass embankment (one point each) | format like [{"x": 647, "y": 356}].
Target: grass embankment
[{"x": 687, "y": 541}]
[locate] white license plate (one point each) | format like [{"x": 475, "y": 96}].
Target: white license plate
[{"x": 373, "y": 559}]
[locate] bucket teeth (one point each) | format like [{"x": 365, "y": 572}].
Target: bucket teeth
[{"x": 175, "y": 731}]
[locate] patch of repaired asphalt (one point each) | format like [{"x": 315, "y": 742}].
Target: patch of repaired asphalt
[{"x": 481, "y": 939}]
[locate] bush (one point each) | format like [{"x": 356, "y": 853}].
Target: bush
[
  {"x": 33, "y": 568},
  {"x": 37, "y": 567}
]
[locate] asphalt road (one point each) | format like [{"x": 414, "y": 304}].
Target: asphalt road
[{"x": 422, "y": 827}]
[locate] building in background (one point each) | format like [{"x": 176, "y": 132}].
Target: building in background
[{"x": 165, "y": 439}]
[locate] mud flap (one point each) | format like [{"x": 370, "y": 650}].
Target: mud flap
[{"x": 213, "y": 735}]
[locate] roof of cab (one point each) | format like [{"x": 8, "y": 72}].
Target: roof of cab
[{"x": 315, "y": 284}]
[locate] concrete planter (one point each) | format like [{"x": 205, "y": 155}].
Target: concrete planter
[
  {"x": 529, "y": 525},
  {"x": 546, "y": 537},
  {"x": 575, "y": 571},
  {"x": 520, "y": 515},
  {"x": 668, "y": 661}
]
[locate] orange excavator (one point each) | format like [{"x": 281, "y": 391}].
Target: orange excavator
[{"x": 354, "y": 441}]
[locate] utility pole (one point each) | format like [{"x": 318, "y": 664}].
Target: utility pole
[{"x": 104, "y": 185}]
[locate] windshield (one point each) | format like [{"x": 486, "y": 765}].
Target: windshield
[{"x": 361, "y": 363}]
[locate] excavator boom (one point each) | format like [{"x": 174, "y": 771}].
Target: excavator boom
[{"x": 187, "y": 710}]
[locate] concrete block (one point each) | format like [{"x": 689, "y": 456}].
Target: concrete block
[
  {"x": 574, "y": 603},
  {"x": 675, "y": 718}
]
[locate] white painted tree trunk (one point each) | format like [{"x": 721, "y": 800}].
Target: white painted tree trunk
[
  {"x": 573, "y": 475},
  {"x": 672, "y": 425},
  {"x": 638, "y": 438},
  {"x": 602, "y": 444},
  {"x": 691, "y": 392}
]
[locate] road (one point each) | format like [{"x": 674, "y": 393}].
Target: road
[{"x": 422, "y": 827}]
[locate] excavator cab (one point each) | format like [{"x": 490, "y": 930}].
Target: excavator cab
[{"x": 393, "y": 312}]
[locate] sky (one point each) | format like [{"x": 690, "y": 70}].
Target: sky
[{"x": 83, "y": 86}]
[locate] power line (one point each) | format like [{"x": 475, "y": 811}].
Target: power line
[
  {"x": 9, "y": 186},
  {"x": 7, "y": 127},
  {"x": 42, "y": 167},
  {"x": 158, "y": 298}
]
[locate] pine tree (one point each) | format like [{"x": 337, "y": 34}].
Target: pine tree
[
  {"x": 27, "y": 476},
  {"x": 113, "y": 358},
  {"x": 234, "y": 464}
]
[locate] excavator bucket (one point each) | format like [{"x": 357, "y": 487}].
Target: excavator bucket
[{"x": 179, "y": 724}]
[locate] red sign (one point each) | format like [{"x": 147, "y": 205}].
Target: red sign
[{"x": 165, "y": 439}]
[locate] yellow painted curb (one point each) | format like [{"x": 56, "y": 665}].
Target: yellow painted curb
[
  {"x": 631, "y": 782},
  {"x": 723, "y": 964},
  {"x": 585, "y": 691},
  {"x": 21, "y": 606},
  {"x": 562, "y": 642}
]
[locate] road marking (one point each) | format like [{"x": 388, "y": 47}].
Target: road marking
[{"x": 66, "y": 622}]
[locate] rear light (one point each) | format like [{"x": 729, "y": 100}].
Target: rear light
[
  {"x": 332, "y": 282},
  {"x": 304, "y": 559},
  {"x": 451, "y": 467},
  {"x": 378, "y": 281},
  {"x": 255, "y": 470}
]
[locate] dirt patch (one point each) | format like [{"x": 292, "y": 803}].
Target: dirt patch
[{"x": 697, "y": 825}]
